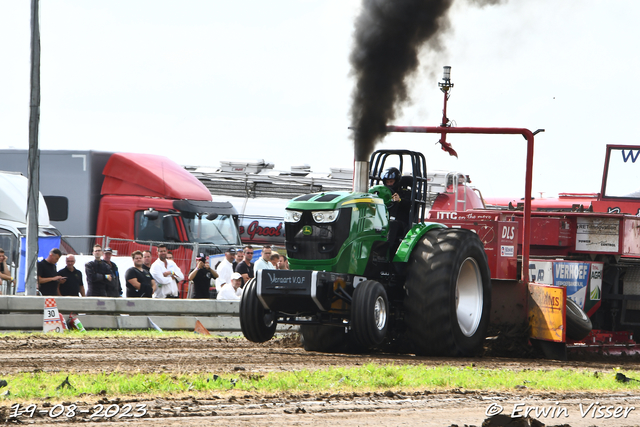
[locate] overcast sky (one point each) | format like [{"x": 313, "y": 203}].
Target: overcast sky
[{"x": 204, "y": 81}]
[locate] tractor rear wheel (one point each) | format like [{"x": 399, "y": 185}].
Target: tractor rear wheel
[
  {"x": 448, "y": 294},
  {"x": 257, "y": 324},
  {"x": 369, "y": 313}
]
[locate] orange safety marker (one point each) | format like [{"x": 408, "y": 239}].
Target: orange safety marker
[
  {"x": 51, "y": 317},
  {"x": 200, "y": 329}
]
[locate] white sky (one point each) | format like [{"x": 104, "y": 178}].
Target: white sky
[{"x": 204, "y": 81}]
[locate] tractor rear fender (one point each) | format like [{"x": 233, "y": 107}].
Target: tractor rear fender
[{"x": 412, "y": 238}]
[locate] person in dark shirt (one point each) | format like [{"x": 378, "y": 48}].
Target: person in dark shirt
[
  {"x": 201, "y": 277},
  {"x": 73, "y": 285},
  {"x": 140, "y": 284},
  {"x": 48, "y": 278},
  {"x": 239, "y": 258},
  {"x": 245, "y": 268},
  {"x": 146, "y": 260},
  {"x": 98, "y": 273},
  {"x": 400, "y": 199},
  {"x": 115, "y": 287}
]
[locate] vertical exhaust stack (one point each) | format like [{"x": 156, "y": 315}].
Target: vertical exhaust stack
[{"x": 361, "y": 176}]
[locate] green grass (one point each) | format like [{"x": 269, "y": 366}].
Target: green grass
[{"x": 368, "y": 378}]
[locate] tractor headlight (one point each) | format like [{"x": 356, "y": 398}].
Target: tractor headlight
[
  {"x": 325, "y": 216},
  {"x": 292, "y": 216}
]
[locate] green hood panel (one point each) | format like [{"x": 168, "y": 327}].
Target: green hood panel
[{"x": 330, "y": 201}]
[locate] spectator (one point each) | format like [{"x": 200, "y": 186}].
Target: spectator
[
  {"x": 140, "y": 284},
  {"x": 231, "y": 291},
  {"x": 239, "y": 258},
  {"x": 201, "y": 277},
  {"x": 146, "y": 260},
  {"x": 4, "y": 270},
  {"x": 275, "y": 259},
  {"x": 265, "y": 260},
  {"x": 48, "y": 278},
  {"x": 98, "y": 273},
  {"x": 245, "y": 268},
  {"x": 170, "y": 255},
  {"x": 165, "y": 272},
  {"x": 225, "y": 268},
  {"x": 73, "y": 286},
  {"x": 283, "y": 264},
  {"x": 115, "y": 287}
]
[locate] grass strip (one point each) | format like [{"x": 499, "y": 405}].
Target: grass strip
[{"x": 367, "y": 378}]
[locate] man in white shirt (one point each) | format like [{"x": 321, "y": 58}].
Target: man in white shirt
[
  {"x": 165, "y": 272},
  {"x": 264, "y": 261},
  {"x": 225, "y": 268},
  {"x": 231, "y": 291}
]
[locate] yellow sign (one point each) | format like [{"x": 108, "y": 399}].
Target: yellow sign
[{"x": 547, "y": 312}]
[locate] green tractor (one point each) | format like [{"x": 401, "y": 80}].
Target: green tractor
[{"x": 361, "y": 279}]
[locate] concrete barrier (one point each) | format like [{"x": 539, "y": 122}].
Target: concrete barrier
[{"x": 27, "y": 312}]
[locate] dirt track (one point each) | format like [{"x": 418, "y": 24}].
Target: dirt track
[{"x": 211, "y": 356}]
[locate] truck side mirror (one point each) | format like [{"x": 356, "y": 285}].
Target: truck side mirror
[
  {"x": 169, "y": 229},
  {"x": 151, "y": 213}
]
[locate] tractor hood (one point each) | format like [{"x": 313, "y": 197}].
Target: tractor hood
[{"x": 331, "y": 201}]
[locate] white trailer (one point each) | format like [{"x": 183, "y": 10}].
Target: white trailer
[{"x": 13, "y": 220}]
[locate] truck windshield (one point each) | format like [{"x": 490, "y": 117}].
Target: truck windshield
[
  {"x": 623, "y": 174},
  {"x": 220, "y": 231}
]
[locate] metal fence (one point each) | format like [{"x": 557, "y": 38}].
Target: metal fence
[{"x": 183, "y": 254}]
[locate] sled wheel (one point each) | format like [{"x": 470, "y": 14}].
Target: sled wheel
[
  {"x": 578, "y": 323},
  {"x": 257, "y": 324},
  {"x": 448, "y": 294}
]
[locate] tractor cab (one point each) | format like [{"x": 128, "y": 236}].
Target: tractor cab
[{"x": 412, "y": 182}]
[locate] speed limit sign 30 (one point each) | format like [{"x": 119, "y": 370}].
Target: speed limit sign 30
[{"x": 51, "y": 317}]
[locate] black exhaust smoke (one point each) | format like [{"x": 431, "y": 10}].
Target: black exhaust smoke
[{"x": 387, "y": 39}]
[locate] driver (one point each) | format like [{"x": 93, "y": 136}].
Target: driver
[{"x": 401, "y": 199}]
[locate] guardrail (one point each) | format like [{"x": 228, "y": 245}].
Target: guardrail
[{"x": 27, "y": 313}]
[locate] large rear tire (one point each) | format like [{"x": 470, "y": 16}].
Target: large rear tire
[
  {"x": 370, "y": 313},
  {"x": 448, "y": 294},
  {"x": 257, "y": 324}
]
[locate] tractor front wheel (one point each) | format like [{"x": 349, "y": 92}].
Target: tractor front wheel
[
  {"x": 369, "y": 313},
  {"x": 448, "y": 294},
  {"x": 257, "y": 324}
]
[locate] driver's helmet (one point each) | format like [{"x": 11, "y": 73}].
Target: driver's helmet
[{"x": 392, "y": 173}]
